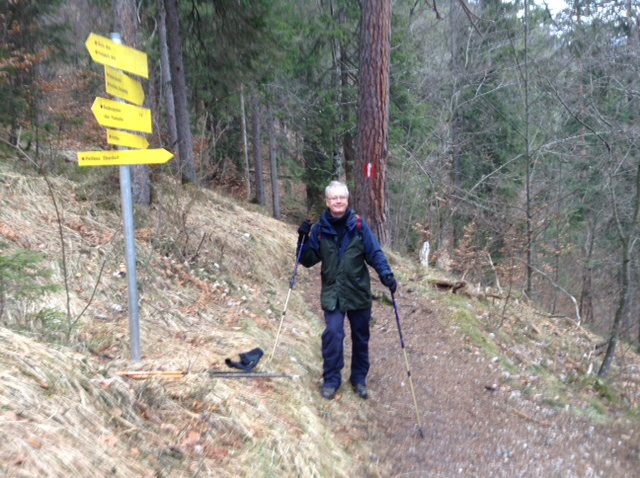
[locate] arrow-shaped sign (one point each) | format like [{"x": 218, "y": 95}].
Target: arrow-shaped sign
[
  {"x": 122, "y": 138},
  {"x": 113, "y": 114},
  {"x": 124, "y": 157},
  {"x": 110, "y": 53},
  {"x": 122, "y": 86}
]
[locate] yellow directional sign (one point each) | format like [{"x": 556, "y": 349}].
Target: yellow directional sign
[
  {"x": 113, "y": 114},
  {"x": 124, "y": 157},
  {"x": 107, "y": 52},
  {"x": 124, "y": 87},
  {"x": 122, "y": 138}
]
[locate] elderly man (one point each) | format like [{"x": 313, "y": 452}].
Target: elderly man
[{"x": 345, "y": 244}]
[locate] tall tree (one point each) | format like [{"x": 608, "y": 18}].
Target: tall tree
[
  {"x": 529, "y": 168},
  {"x": 448, "y": 232},
  {"x": 257, "y": 147},
  {"x": 628, "y": 233},
  {"x": 372, "y": 137},
  {"x": 165, "y": 81},
  {"x": 273, "y": 160},
  {"x": 26, "y": 41},
  {"x": 178, "y": 77},
  {"x": 343, "y": 82},
  {"x": 126, "y": 25},
  {"x": 245, "y": 142}
]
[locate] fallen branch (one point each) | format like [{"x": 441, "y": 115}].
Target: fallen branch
[
  {"x": 446, "y": 285},
  {"x": 562, "y": 289},
  {"x": 142, "y": 374},
  {"x": 527, "y": 417}
]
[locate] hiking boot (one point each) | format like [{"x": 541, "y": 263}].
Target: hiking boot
[
  {"x": 361, "y": 390},
  {"x": 328, "y": 392}
]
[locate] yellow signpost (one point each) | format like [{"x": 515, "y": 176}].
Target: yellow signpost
[
  {"x": 122, "y": 138},
  {"x": 122, "y": 86},
  {"x": 110, "y": 53},
  {"x": 124, "y": 158},
  {"x": 119, "y": 115},
  {"x": 113, "y": 114}
]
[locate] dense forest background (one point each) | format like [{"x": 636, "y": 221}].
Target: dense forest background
[{"x": 510, "y": 147}]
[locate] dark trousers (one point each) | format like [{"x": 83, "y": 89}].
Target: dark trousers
[{"x": 333, "y": 346}]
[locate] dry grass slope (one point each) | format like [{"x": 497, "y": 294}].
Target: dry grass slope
[{"x": 213, "y": 277}]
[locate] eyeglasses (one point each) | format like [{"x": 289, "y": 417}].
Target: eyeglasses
[{"x": 338, "y": 198}]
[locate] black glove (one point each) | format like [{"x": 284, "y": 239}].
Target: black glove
[
  {"x": 390, "y": 282},
  {"x": 304, "y": 229}
]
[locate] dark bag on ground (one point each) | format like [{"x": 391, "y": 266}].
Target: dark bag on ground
[{"x": 248, "y": 360}]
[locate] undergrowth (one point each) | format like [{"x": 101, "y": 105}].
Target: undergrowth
[{"x": 548, "y": 368}]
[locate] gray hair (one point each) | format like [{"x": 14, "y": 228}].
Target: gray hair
[{"x": 336, "y": 184}]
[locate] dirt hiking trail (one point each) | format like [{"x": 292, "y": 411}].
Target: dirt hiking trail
[{"x": 473, "y": 425}]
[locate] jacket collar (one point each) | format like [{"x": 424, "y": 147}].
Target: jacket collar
[{"x": 326, "y": 226}]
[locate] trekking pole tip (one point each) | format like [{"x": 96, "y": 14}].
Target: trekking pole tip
[{"x": 421, "y": 431}]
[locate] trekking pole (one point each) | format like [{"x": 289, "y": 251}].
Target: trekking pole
[
  {"x": 406, "y": 361},
  {"x": 286, "y": 302}
]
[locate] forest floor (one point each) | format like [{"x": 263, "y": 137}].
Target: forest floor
[{"x": 478, "y": 420}]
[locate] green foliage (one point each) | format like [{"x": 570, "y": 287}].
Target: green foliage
[
  {"x": 23, "y": 283},
  {"x": 22, "y": 276},
  {"x": 606, "y": 390},
  {"x": 28, "y": 42},
  {"x": 53, "y": 325}
]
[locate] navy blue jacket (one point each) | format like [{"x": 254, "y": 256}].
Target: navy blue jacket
[{"x": 346, "y": 283}]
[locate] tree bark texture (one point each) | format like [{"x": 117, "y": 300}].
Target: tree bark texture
[
  {"x": 372, "y": 137},
  {"x": 257, "y": 148},
  {"x": 167, "y": 88},
  {"x": 245, "y": 143},
  {"x": 349, "y": 154},
  {"x": 183, "y": 124},
  {"x": 273, "y": 159},
  {"x": 627, "y": 240},
  {"x": 126, "y": 25}
]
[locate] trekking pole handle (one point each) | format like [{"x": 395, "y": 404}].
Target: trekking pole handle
[
  {"x": 295, "y": 269},
  {"x": 395, "y": 309}
]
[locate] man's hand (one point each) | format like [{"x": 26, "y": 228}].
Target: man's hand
[
  {"x": 390, "y": 282},
  {"x": 304, "y": 229}
]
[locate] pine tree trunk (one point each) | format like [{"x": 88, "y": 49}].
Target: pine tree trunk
[
  {"x": 125, "y": 24},
  {"x": 185, "y": 141},
  {"x": 273, "y": 159},
  {"x": 257, "y": 148},
  {"x": 450, "y": 229},
  {"x": 628, "y": 238},
  {"x": 586, "y": 293},
  {"x": 245, "y": 145},
  {"x": 620, "y": 312},
  {"x": 372, "y": 139},
  {"x": 348, "y": 151},
  {"x": 167, "y": 87}
]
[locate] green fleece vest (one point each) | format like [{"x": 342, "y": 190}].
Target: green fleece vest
[{"x": 345, "y": 283}]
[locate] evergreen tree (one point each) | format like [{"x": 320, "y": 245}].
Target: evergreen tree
[{"x": 30, "y": 36}]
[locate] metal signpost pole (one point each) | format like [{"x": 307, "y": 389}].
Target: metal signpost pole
[{"x": 130, "y": 250}]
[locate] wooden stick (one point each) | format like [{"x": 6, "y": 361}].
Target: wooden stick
[
  {"x": 527, "y": 417},
  {"x": 144, "y": 374}
]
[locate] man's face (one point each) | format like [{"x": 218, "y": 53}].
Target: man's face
[{"x": 337, "y": 201}]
